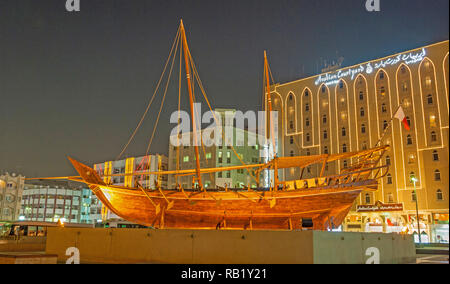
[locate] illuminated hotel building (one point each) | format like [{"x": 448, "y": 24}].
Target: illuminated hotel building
[{"x": 347, "y": 110}]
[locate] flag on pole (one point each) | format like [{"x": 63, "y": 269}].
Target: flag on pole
[{"x": 400, "y": 115}]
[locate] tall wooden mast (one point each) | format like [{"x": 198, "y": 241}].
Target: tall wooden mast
[
  {"x": 191, "y": 100},
  {"x": 272, "y": 131}
]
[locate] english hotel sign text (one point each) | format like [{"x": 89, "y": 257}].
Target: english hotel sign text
[{"x": 369, "y": 68}]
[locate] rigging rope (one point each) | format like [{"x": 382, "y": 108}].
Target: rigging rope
[
  {"x": 215, "y": 119},
  {"x": 163, "y": 99},
  {"x": 151, "y": 100}
]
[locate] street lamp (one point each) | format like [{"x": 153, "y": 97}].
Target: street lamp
[{"x": 414, "y": 180}]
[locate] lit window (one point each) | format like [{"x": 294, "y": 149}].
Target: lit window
[
  {"x": 412, "y": 176},
  {"x": 411, "y": 159},
  {"x": 382, "y": 91},
  {"x": 432, "y": 120},
  {"x": 208, "y": 156},
  {"x": 405, "y": 86},
  {"x": 390, "y": 198},
  {"x": 428, "y": 82},
  {"x": 186, "y": 159}
]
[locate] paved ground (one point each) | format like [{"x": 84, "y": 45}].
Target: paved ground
[{"x": 432, "y": 259}]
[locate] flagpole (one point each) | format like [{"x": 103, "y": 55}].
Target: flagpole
[{"x": 388, "y": 126}]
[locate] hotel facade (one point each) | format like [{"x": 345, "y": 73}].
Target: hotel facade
[{"x": 349, "y": 109}]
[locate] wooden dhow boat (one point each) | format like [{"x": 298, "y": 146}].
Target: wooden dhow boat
[{"x": 323, "y": 201}]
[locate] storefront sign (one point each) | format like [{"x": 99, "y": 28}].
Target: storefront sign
[
  {"x": 380, "y": 207},
  {"x": 369, "y": 68}
]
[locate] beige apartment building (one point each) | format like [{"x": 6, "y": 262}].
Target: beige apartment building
[{"x": 348, "y": 109}]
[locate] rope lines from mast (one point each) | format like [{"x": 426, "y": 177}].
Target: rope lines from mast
[
  {"x": 153, "y": 97},
  {"x": 163, "y": 99},
  {"x": 197, "y": 77}
]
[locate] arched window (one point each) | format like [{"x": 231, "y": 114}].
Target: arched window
[
  {"x": 306, "y": 93},
  {"x": 361, "y": 95},
  {"x": 367, "y": 198},
  {"x": 343, "y": 131},
  {"x": 430, "y": 99},
  {"x": 435, "y": 155},
  {"x": 325, "y": 149},
  {"x": 381, "y": 75},
  {"x": 344, "y": 148},
  {"x": 308, "y": 152},
  {"x": 433, "y": 136},
  {"x": 308, "y": 137},
  {"x": 341, "y": 84},
  {"x": 363, "y": 128},
  {"x": 403, "y": 69},
  {"x": 307, "y": 121},
  {"x": 408, "y": 120},
  {"x": 439, "y": 195},
  {"x": 388, "y": 160},
  {"x": 325, "y": 134},
  {"x": 345, "y": 164},
  {"x": 361, "y": 112},
  {"x": 412, "y": 175},
  {"x": 291, "y": 140},
  {"x": 324, "y": 119},
  {"x": 389, "y": 179},
  {"x": 290, "y": 97},
  {"x": 306, "y": 107},
  {"x": 383, "y": 108},
  {"x": 409, "y": 140},
  {"x": 292, "y": 153},
  {"x": 390, "y": 198},
  {"x": 291, "y": 124},
  {"x": 413, "y": 196},
  {"x": 437, "y": 175},
  {"x": 323, "y": 89},
  {"x": 385, "y": 124}
]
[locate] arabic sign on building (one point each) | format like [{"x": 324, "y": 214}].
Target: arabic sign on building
[
  {"x": 408, "y": 58},
  {"x": 380, "y": 207}
]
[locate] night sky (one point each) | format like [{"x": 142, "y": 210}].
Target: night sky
[{"x": 77, "y": 83}]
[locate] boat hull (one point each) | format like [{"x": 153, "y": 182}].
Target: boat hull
[{"x": 284, "y": 210}]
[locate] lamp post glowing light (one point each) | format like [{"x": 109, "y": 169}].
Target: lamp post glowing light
[{"x": 414, "y": 180}]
